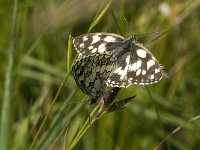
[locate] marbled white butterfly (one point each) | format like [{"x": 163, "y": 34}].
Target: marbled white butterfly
[
  {"x": 91, "y": 73},
  {"x": 135, "y": 64}
]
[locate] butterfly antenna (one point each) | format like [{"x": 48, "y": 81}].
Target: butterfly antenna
[
  {"x": 148, "y": 33},
  {"x": 133, "y": 36},
  {"x": 127, "y": 24}
]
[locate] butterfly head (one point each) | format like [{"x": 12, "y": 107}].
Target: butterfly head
[{"x": 132, "y": 39}]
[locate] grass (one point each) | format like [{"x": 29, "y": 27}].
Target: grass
[
  {"x": 7, "y": 98},
  {"x": 41, "y": 106}
]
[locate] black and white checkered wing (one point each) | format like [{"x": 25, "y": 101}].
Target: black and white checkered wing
[
  {"x": 91, "y": 43},
  {"x": 138, "y": 66},
  {"x": 91, "y": 73},
  {"x": 134, "y": 63}
]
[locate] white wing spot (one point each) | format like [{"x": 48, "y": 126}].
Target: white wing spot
[
  {"x": 150, "y": 63},
  {"x": 144, "y": 72},
  {"x": 152, "y": 77},
  {"x": 141, "y": 53},
  {"x": 113, "y": 82},
  {"x": 157, "y": 70},
  {"x": 133, "y": 67},
  {"x": 94, "y": 50},
  {"x": 139, "y": 64},
  {"x": 102, "y": 48},
  {"x": 138, "y": 72},
  {"x": 81, "y": 45},
  {"x": 109, "y": 39},
  {"x": 85, "y": 38},
  {"x": 95, "y": 39},
  {"x": 119, "y": 71},
  {"x": 124, "y": 72},
  {"x": 90, "y": 47},
  {"x": 141, "y": 83},
  {"x": 128, "y": 60}
]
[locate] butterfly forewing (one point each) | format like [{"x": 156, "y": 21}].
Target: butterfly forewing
[
  {"x": 91, "y": 73},
  {"x": 139, "y": 66},
  {"x": 91, "y": 43}
]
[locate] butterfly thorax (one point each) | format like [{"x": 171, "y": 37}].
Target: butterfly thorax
[{"x": 129, "y": 43}]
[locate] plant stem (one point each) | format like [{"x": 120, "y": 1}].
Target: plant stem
[
  {"x": 85, "y": 127},
  {"x": 96, "y": 113}
]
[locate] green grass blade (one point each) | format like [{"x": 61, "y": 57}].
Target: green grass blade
[
  {"x": 175, "y": 131},
  {"x": 56, "y": 125},
  {"x": 99, "y": 17},
  {"x": 69, "y": 52},
  {"x": 45, "y": 67},
  {"x": 158, "y": 115},
  {"x": 7, "y": 97},
  {"x": 30, "y": 50},
  {"x": 49, "y": 112}
]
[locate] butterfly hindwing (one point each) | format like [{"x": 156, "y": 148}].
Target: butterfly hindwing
[{"x": 91, "y": 73}]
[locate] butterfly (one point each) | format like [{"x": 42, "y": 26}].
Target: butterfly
[
  {"x": 91, "y": 73},
  {"x": 135, "y": 63}
]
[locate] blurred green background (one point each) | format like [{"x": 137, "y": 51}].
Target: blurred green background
[{"x": 34, "y": 59}]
